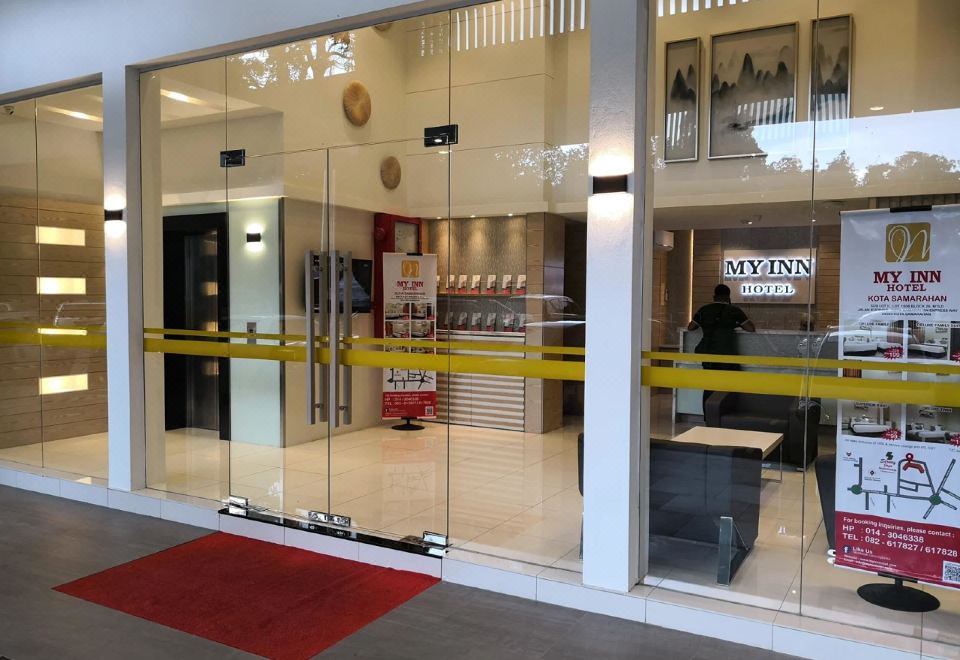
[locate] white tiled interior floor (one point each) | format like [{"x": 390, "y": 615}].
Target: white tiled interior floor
[{"x": 512, "y": 496}]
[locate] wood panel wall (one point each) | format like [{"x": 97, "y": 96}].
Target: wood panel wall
[
  {"x": 26, "y": 417},
  {"x": 707, "y": 257}
]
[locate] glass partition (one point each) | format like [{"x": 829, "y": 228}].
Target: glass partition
[
  {"x": 789, "y": 170},
  {"x": 887, "y": 161},
  {"x": 516, "y": 279},
  {"x": 22, "y": 438},
  {"x": 53, "y": 308},
  {"x": 183, "y": 128},
  {"x": 736, "y": 297}
]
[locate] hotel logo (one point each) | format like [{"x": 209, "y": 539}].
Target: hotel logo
[
  {"x": 410, "y": 268},
  {"x": 908, "y": 242}
]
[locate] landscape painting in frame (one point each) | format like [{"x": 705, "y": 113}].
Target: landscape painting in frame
[
  {"x": 682, "y": 112},
  {"x": 753, "y": 85},
  {"x": 830, "y": 96}
]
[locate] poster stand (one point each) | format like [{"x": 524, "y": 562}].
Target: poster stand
[
  {"x": 409, "y": 323},
  {"x": 408, "y": 425},
  {"x": 897, "y": 596},
  {"x": 895, "y": 514}
]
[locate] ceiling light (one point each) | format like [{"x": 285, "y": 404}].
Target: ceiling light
[
  {"x": 182, "y": 98},
  {"x": 75, "y": 114},
  {"x": 876, "y": 108}
]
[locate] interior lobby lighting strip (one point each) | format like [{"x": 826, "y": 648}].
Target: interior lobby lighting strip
[
  {"x": 63, "y": 384},
  {"x": 61, "y": 236},
  {"x": 59, "y": 286}
]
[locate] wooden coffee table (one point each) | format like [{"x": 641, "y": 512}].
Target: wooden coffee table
[{"x": 718, "y": 437}]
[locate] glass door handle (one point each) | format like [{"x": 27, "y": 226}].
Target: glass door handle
[
  {"x": 336, "y": 276},
  {"x": 346, "y": 408},
  {"x": 315, "y": 304}
]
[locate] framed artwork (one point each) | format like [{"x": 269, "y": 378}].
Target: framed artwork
[
  {"x": 753, "y": 84},
  {"x": 681, "y": 130},
  {"x": 830, "y": 71}
]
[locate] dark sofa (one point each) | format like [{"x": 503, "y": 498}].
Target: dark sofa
[
  {"x": 772, "y": 414},
  {"x": 692, "y": 486}
]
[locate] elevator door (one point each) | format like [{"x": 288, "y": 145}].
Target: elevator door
[{"x": 195, "y": 261}]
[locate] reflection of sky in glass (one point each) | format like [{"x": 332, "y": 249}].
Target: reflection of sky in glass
[{"x": 300, "y": 61}]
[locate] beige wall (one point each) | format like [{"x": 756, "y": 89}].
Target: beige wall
[{"x": 905, "y": 53}]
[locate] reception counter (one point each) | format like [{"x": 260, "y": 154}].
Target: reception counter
[{"x": 769, "y": 343}]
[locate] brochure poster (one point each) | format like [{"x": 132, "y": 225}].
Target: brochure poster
[
  {"x": 410, "y": 312},
  {"x": 898, "y": 482}
]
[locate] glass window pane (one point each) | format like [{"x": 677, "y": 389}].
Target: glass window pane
[{"x": 183, "y": 128}]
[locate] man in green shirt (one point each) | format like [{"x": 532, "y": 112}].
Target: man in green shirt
[{"x": 719, "y": 321}]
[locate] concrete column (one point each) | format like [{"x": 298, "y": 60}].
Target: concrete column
[
  {"x": 614, "y": 551},
  {"x": 121, "y": 181}
]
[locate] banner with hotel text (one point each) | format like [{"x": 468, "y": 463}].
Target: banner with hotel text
[
  {"x": 897, "y": 481},
  {"x": 409, "y": 312}
]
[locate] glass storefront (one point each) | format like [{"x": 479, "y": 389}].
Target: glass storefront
[
  {"x": 438, "y": 164},
  {"x": 790, "y": 136},
  {"x": 53, "y": 385},
  {"x": 364, "y": 293}
]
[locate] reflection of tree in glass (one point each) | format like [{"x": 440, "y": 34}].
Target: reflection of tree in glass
[
  {"x": 909, "y": 166},
  {"x": 300, "y": 61},
  {"x": 551, "y": 163},
  {"x": 840, "y": 171}
]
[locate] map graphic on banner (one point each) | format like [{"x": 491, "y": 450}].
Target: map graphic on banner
[
  {"x": 898, "y": 478},
  {"x": 409, "y": 312}
]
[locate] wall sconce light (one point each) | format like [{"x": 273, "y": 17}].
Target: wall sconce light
[
  {"x": 113, "y": 222},
  {"x": 255, "y": 238},
  {"x": 603, "y": 185}
]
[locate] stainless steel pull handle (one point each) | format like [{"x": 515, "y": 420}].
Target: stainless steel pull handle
[
  {"x": 310, "y": 274},
  {"x": 334, "y": 266},
  {"x": 320, "y": 258},
  {"x": 347, "y": 407}
]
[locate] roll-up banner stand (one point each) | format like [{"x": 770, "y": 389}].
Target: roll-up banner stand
[
  {"x": 409, "y": 313},
  {"x": 898, "y": 478}
]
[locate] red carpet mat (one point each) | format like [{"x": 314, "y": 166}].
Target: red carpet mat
[{"x": 267, "y": 599}]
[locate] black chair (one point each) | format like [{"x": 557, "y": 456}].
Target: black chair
[
  {"x": 826, "y": 468},
  {"x": 798, "y": 420}
]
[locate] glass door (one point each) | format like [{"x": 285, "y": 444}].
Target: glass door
[
  {"x": 279, "y": 239},
  {"x": 388, "y": 451},
  {"x": 328, "y": 356}
]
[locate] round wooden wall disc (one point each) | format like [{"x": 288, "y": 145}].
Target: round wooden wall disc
[
  {"x": 356, "y": 103},
  {"x": 390, "y": 172}
]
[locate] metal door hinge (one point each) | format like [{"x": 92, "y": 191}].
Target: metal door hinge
[
  {"x": 329, "y": 518},
  {"x": 438, "y": 136},
  {"x": 233, "y": 158},
  {"x": 435, "y": 538},
  {"x": 237, "y": 504}
]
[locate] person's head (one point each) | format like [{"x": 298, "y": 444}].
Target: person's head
[{"x": 721, "y": 293}]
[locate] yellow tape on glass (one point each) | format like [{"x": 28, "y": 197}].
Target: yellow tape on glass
[
  {"x": 823, "y": 387},
  {"x": 944, "y": 368}
]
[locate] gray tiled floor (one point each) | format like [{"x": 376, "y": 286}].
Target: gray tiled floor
[{"x": 46, "y": 541}]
